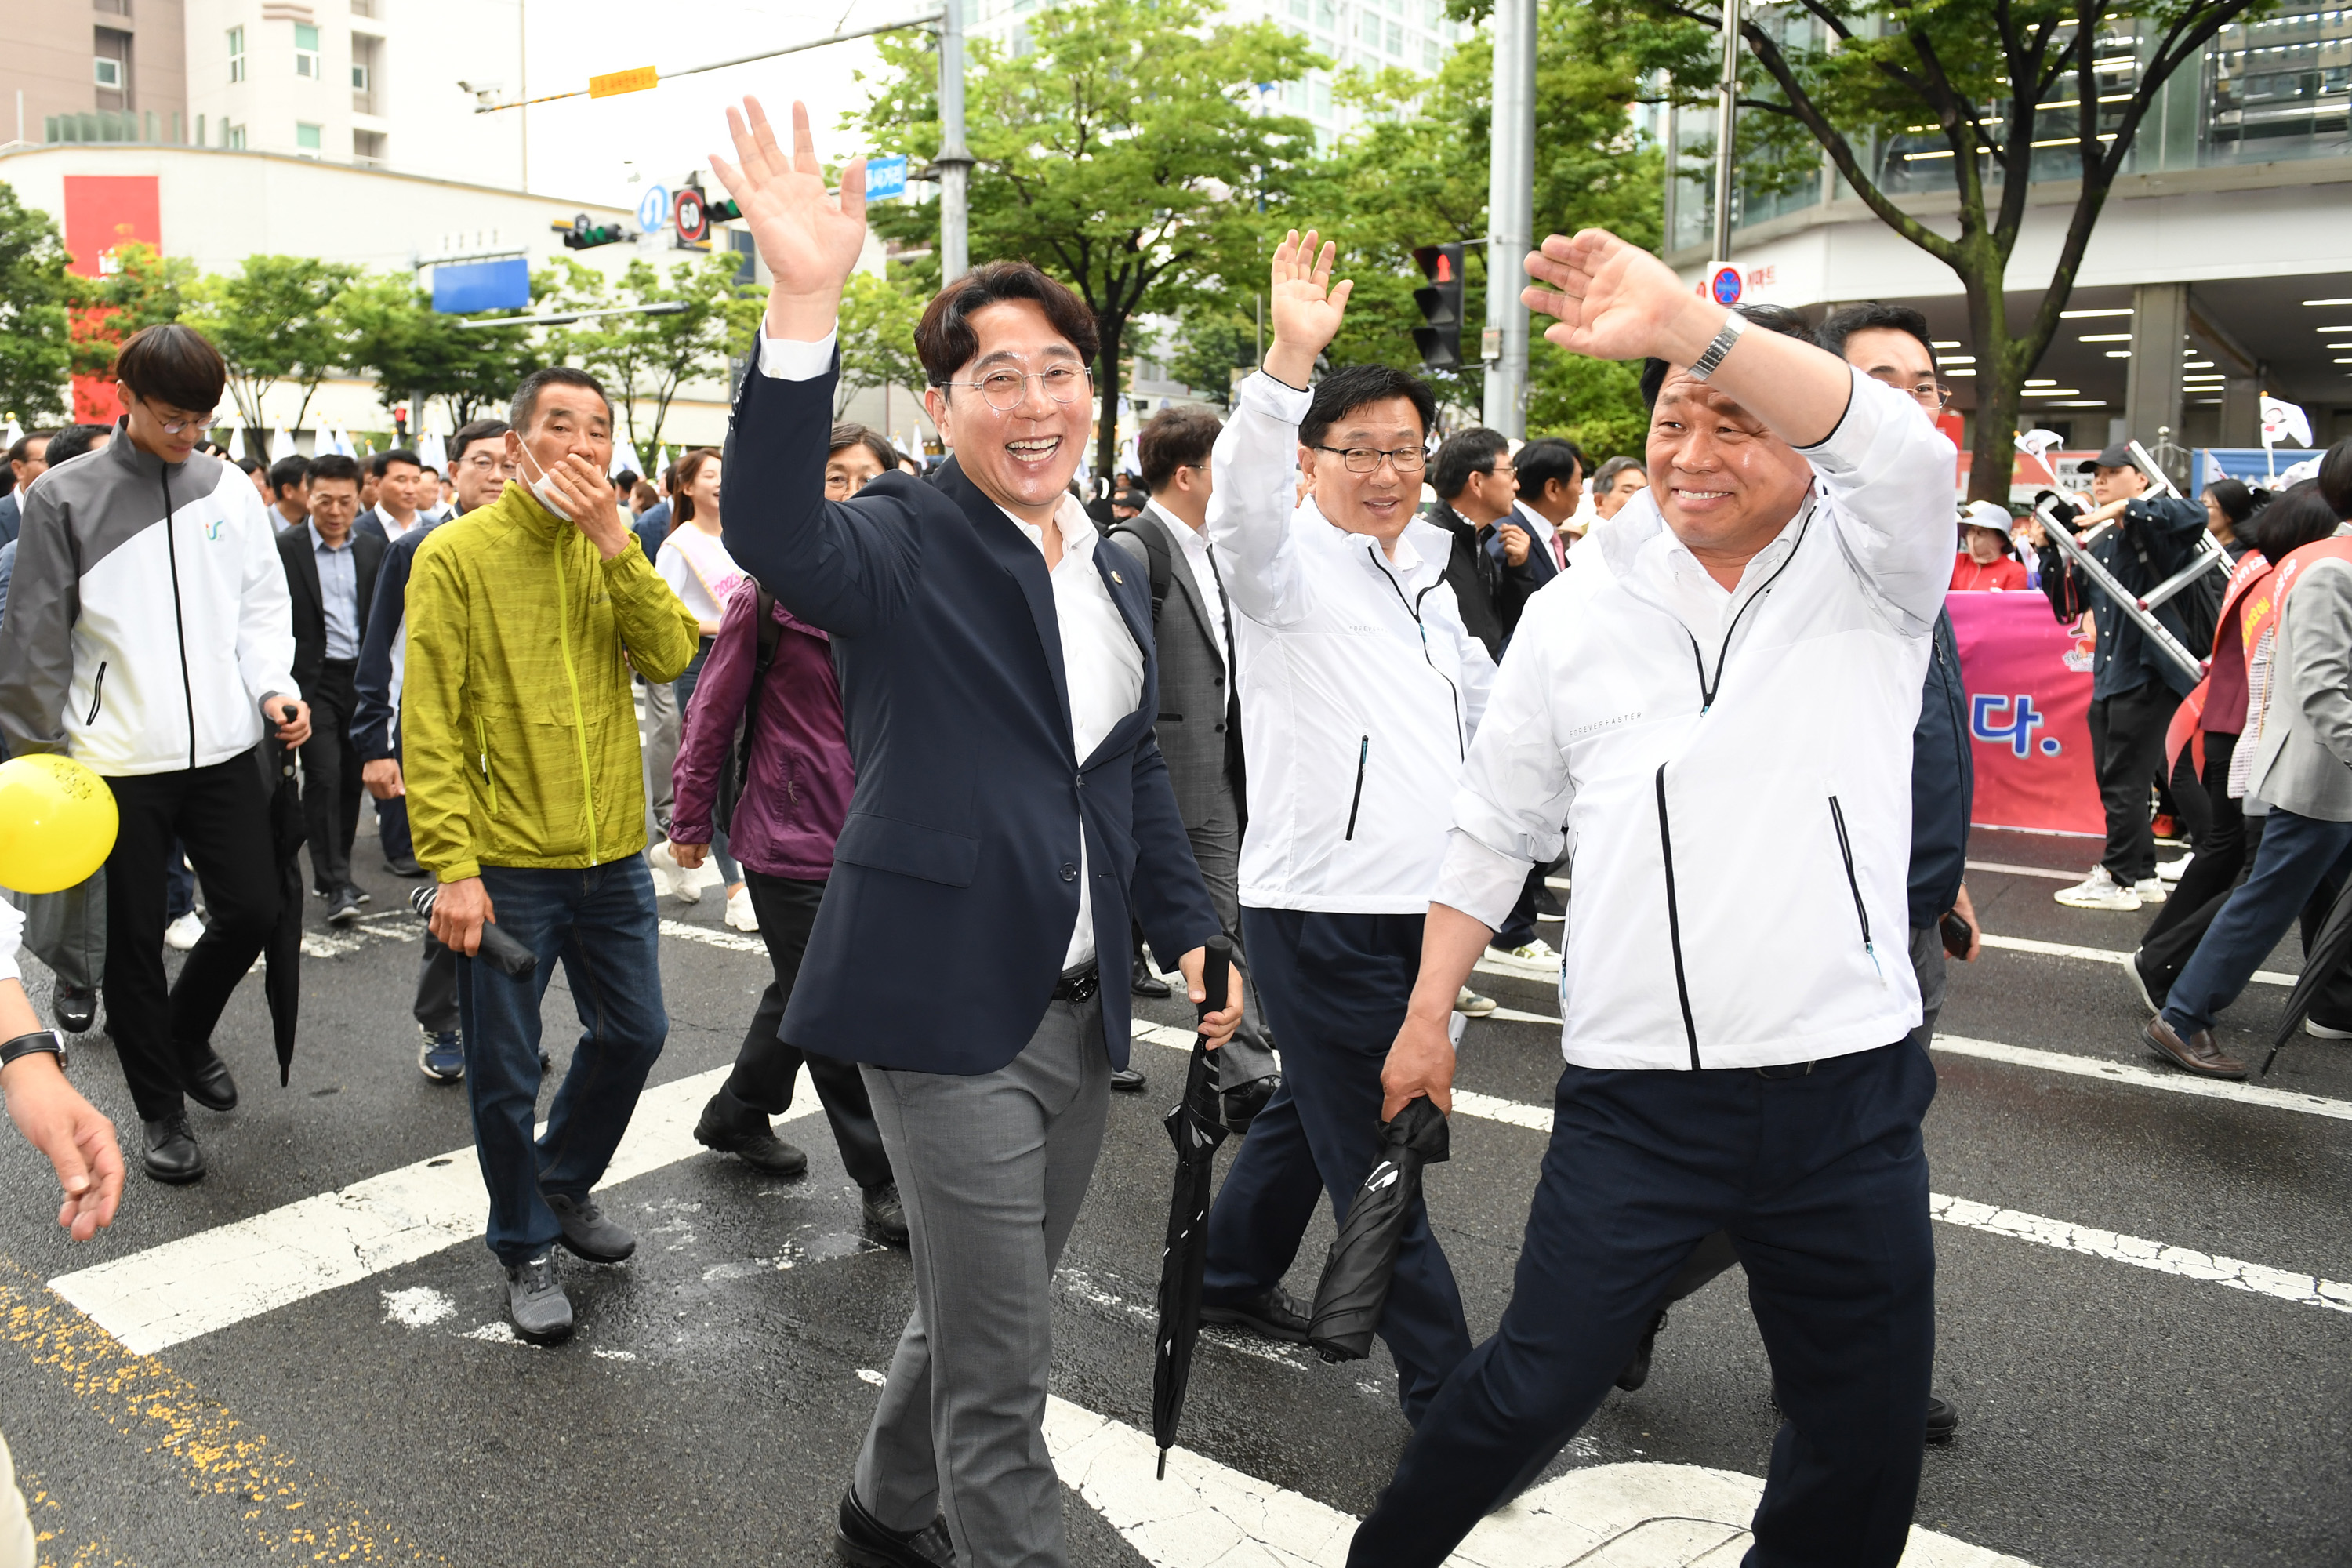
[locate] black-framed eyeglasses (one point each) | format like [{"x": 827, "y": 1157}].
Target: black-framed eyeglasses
[
  {"x": 1366, "y": 459},
  {"x": 1006, "y": 389}
]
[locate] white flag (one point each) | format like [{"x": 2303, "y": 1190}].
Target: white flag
[
  {"x": 281, "y": 445},
  {"x": 2284, "y": 421}
]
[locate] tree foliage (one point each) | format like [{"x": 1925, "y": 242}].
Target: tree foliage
[
  {"x": 147, "y": 288},
  {"x": 276, "y": 320},
  {"x": 35, "y": 290},
  {"x": 878, "y": 337},
  {"x": 643, "y": 359},
  {"x": 1993, "y": 86},
  {"x": 1122, "y": 152},
  {"x": 417, "y": 354}
]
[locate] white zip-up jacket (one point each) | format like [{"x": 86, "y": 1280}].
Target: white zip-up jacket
[
  {"x": 148, "y": 615},
  {"x": 1734, "y": 771},
  {"x": 1360, "y": 686}
]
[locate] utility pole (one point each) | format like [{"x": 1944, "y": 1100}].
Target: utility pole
[
  {"x": 1510, "y": 221},
  {"x": 1726, "y": 122},
  {"x": 954, "y": 160}
]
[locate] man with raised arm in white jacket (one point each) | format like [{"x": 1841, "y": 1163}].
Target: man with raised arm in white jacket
[
  {"x": 1723, "y": 720},
  {"x": 1360, "y": 689}
]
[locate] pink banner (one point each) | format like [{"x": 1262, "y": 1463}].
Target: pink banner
[{"x": 2028, "y": 683}]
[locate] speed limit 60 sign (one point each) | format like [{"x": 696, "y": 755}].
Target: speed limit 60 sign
[{"x": 693, "y": 217}]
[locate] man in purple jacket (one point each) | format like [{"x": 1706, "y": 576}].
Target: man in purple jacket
[{"x": 777, "y": 679}]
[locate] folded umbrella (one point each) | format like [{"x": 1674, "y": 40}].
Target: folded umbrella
[
  {"x": 2321, "y": 960},
  {"x": 282, "y": 981},
  {"x": 1196, "y": 1130},
  {"x": 1355, "y": 1285}
]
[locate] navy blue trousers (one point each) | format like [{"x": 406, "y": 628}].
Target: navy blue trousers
[
  {"x": 1822, "y": 1184},
  {"x": 1333, "y": 989}
]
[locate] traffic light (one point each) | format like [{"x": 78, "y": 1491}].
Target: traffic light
[
  {"x": 1440, "y": 306},
  {"x": 581, "y": 235}
]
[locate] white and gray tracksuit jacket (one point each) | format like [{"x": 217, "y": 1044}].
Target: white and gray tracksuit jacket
[{"x": 149, "y": 615}]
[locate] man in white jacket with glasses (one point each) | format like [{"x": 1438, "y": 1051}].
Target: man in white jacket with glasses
[
  {"x": 1360, "y": 689},
  {"x": 1723, "y": 720}
]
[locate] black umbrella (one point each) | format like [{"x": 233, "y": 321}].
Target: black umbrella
[
  {"x": 2322, "y": 957},
  {"x": 1196, "y": 1130},
  {"x": 282, "y": 980},
  {"x": 1355, "y": 1284}
]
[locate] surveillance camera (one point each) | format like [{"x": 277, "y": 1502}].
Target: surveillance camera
[{"x": 480, "y": 89}]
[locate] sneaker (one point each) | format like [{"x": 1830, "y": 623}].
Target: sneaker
[
  {"x": 536, "y": 1303},
  {"x": 441, "y": 1055},
  {"x": 184, "y": 932},
  {"x": 2172, "y": 871},
  {"x": 884, "y": 1213},
  {"x": 684, "y": 884},
  {"x": 2140, "y": 987},
  {"x": 1536, "y": 951},
  {"x": 75, "y": 1007},
  {"x": 2150, "y": 890},
  {"x": 2099, "y": 891},
  {"x": 343, "y": 907},
  {"x": 738, "y": 911},
  {"x": 586, "y": 1232},
  {"x": 1472, "y": 1005},
  {"x": 2319, "y": 1031}
]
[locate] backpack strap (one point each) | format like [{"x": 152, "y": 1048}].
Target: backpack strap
[{"x": 1157, "y": 561}]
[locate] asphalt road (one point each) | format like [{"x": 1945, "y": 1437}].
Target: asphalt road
[{"x": 709, "y": 1406}]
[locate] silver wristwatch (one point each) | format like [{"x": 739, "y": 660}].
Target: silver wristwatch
[{"x": 1706, "y": 364}]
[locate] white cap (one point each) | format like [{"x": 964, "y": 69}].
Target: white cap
[{"x": 1988, "y": 514}]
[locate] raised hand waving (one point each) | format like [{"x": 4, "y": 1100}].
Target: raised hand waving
[
  {"x": 1306, "y": 305},
  {"x": 809, "y": 241}
]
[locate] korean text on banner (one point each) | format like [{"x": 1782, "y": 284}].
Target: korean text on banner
[{"x": 2029, "y": 686}]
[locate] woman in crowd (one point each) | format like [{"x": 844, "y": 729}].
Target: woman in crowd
[
  {"x": 772, "y": 675},
  {"x": 1618, "y": 480},
  {"x": 1984, "y": 563},
  {"x": 695, "y": 564},
  {"x": 2228, "y": 506},
  {"x": 2295, "y": 519}
]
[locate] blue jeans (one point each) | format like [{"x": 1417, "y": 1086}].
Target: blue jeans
[
  {"x": 1333, "y": 989},
  {"x": 2299, "y": 856},
  {"x": 602, "y": 923},
  {"x": 1822, "y": 1183}
]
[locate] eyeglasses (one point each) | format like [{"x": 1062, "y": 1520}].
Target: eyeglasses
[
  {"x": 1929, "y": 394},
  {"x": 1366, "y": 459},
  {"x": 489, "y": 465},
  {"x": 1006, "y": 389},
  {"x": 174, "y": 420}
]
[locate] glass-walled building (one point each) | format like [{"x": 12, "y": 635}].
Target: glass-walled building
[{"x": 2232, "y": 210}]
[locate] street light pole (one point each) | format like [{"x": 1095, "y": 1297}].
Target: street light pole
[
  {"x": 954, "y": 160},
  {"x": 1726, "y": 122},
  {"x": 1510, "y": 217}
]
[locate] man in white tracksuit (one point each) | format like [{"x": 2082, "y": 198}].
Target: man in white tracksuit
[
  {"x": 1723, "y": 720},
  {"x": 1360, "y": 689}
]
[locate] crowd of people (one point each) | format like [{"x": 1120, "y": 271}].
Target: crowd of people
[{"x": 1355, "y": 699}]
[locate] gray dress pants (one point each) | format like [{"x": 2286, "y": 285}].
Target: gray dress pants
[
  {"x": 661, "y": 751},
  {"x": 992, "y": 1169}
]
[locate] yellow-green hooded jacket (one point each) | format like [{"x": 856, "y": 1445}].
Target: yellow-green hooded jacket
[{"x": 518, "y": 736}]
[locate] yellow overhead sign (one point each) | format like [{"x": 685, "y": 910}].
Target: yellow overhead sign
[{"x": 635, "y": 81}]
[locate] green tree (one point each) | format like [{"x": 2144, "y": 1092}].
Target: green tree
[
  {"x": 1415, "y": 174},
  {"x": 645, "y": 358},
  {"x": 276, "y": 320},
  {"x": 417, "y": 354},
  {"x": 1210, "y": 342},
  {"x": 878, "y": 337},
  {"x": 147, "y": 288},
  {"x": 1992, "y": 90},
  {"x": 36, "y": 349},
  {"x": 1123, "y": 151}
]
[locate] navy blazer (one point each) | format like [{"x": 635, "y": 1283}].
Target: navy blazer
[{"x": 963, "y": 831}]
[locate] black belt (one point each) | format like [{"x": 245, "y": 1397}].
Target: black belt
[
  {"x": 1079, "y": 987},
  {"x": 1786, "y": 1069}
]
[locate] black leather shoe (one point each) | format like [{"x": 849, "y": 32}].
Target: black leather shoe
[
  {"x": 885, "y": 1215},
  {"x": 75, "y": 1008},
  {"x": 209, "y": 1085},
  {"x": 864, "y": 1541},
  {"x": 734, "y": 1128},
  {"x": 1129, "y": 1080},
  {"x": 1277, "y": 1314},
  {"x": 172, "y": 1154},
  {"x": 402, "y": 866},
  {"x": 1637, "y": 1370},
  {"x": 1142, "y": 982},
  {"x": 1943, "y": 1418}
]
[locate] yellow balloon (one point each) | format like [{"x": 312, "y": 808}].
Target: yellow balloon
[{"x": 56, "y": 823}]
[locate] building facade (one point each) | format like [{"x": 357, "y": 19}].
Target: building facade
[{"x": 2220, "y": 269}]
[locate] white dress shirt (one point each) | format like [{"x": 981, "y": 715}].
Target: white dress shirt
[
  {"x": 1194, "y": 543},
  {"x": 1100, "y": 658}
]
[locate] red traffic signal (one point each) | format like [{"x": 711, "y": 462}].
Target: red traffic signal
[{"x": 1440, "y": 341}]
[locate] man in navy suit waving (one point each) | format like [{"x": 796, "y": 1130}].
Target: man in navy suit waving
[{"x": 1011, "y": 808}]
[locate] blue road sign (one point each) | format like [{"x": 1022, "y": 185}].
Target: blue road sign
[
  {"x": 500, "y": 285},
  {"x": 885, "y": 177},
  {"x": 653, "y": 210}
]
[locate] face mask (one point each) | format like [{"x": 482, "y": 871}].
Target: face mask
[{"x": 544, "y": 488}]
